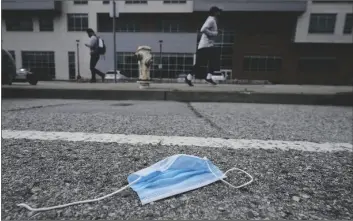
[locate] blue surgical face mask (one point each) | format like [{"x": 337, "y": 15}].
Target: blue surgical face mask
[{"x": 171, "y": 176}]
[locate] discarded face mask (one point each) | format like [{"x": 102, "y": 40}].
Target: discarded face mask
[{"x": 171, "y": 176}]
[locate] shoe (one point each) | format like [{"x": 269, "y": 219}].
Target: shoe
[
  {"x": 210, "y": 81},
  {"x": 188, "y": 82},
  {"x": 103, "y": 78}
]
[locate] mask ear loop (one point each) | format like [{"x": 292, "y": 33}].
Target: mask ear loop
[
  {"x": 77, "y": 202},
  {"x": 229, "y": 184}
]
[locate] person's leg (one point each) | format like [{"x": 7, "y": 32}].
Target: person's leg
[
  {"x": 197, "y": 69},
  {"x": 212, "y": 57},
  {"x": 101, "y": 74},
  {"x": 92, "y": 64}
]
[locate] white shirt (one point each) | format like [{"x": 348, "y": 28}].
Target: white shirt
[{"x": 209, "y": 32}]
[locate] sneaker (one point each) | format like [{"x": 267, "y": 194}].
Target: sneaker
[
  {"x": 210, "y": 81},
  {"x": 103, "y": 78},
  {"x": 188, "y": 82}
]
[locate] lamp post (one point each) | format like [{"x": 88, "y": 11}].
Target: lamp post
[
  {"x": 160, "y": 66},
  {"x": 114, "y": 38},
  {"x": 78, "y": 59}
]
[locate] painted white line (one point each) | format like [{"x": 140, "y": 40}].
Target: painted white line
[{"x": 176, "y": 141}]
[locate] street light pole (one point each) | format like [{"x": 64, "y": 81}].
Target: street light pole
[
  {"x": 160, "y": 58},
  {"x": 114, "y": 38},
  {"x": 78, "y": 60}
]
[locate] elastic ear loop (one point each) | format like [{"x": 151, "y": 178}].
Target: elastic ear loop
[
  {"x": 234, "y": 168},
  {"x": 77, "y": 202}
]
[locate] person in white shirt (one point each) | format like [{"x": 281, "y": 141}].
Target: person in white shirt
[
  {"x": 93, "y": 45},
  {"x": 206, "y": 52}
]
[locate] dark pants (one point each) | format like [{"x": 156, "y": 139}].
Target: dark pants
[
  {"x": 92, "y": 66},
  {"x": 207, "y": 61}
]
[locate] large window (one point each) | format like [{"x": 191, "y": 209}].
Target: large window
[
  {"x": 105, "y": 2},
  {"x": 174, "y": 1},
  {"x": 322, "y": 23},
  {"x": 317, "y": 64},
  {"x": 224, "y": 41},
  {"x": 81, "y": 2},
  {"x": 136, "y": 2},
  {"x": 72, "y": 65},
  {"x": 262, "y": 63},
  {"x": 170, "y": 26},
  {"x": 13, "y": 54},
  {"x": 130, "y": 26},
  {"x": 104, "y": 24},
  {"x": 20, "y": 23},
  {"x": 172, "y": 64},
  {"x": 42, "y": 63},
  {"x": 348, "y": 24},
  {"x": 46, "y": 24},
  {"x": 77, "y": 22}
]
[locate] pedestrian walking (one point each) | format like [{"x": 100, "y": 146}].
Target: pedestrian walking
[
  {"x": 97, "y": 48},
  {"x": 206, "y": 52}
]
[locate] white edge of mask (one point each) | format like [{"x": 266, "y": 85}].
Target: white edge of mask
[{"x": 176, "y": 192}]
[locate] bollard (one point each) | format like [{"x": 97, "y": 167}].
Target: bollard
[{"x": 144, "y": 58}]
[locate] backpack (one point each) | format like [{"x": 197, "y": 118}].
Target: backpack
[{"x": 101, "y": 46}]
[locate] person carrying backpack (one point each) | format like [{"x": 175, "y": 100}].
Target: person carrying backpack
[{"x": 97, "y": 48}]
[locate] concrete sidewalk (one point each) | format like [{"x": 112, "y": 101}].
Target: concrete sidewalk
[{"x": 280, "y": 94}]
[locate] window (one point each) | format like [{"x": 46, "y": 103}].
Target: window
[
  {"x": 127, "y": 64},
  {"x": 262, "y": 63},
  {"x": 348, "y": 24},
  {"x": 172, "y": 64},
  {"x": 46, "y": 24},
  {"x": 106, "y": 2},
  {"x": 80, "y": 2},
  {"x": 130, "y": 26},
  {"x": 224, "y": 41},
  {"x": 136, "y": 2},
  {"x": 322, "y": 23},
  {"x": 42, "y": 63},
  {"x": 12, "y": 53},
  {"x": 104, "y": 24},
  {"x": 72, "y": 65},
  {"x": 317, "y": 64},
  {"x": 170, "y": 26},
  {"x": 19, "y": 23},
  {"x": 174, "y": 1},
  {"x": 77, "y": 22}
]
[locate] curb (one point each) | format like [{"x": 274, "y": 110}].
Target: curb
[{"x": 338, "y": 99}]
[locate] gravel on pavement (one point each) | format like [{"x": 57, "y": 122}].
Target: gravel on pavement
[{"x": 287, "y": 184}]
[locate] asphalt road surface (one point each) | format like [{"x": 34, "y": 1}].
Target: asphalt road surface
[{"x": 60, "y": 151}]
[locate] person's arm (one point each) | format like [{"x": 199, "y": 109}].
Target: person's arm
[
  {"x": 92, "y": 42},
  {"x": 206, "y": 28}
]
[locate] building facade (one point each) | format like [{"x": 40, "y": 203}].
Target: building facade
[{"x": 283, "y": 41}]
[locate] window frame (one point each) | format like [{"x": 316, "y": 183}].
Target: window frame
[
  {"x": 348, "y": 28},
  {"x": 80, "y": 2},
  {"x": 136, "y": 2},
  {"x": 312, "y": 29},
  {"x": 259, "y": 60},
  {"x": 13, "y": 20},
  {"x": 46, "y": 19},
  {"x": 74, "y": 29}
]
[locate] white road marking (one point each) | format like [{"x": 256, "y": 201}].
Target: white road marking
[{"x": 176, "y": 141}]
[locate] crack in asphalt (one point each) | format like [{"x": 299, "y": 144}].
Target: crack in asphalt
[
  {"x": 210, "y": 122},
  {"x": 37, "y": 107}
]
